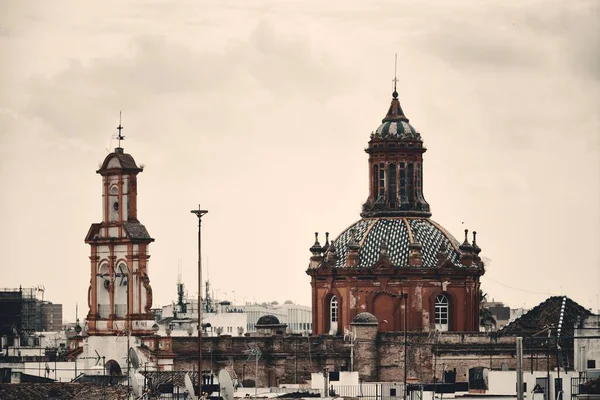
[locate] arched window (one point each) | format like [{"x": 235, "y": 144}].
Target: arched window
[
  {"x": 410, "y": 190},
  {"x": 114, "y": 203},
  {"x": 375, "y": 181},
  {"x": 392, "y": 185},
  {"x": 120, "y": 296},
  {"x": 418, "y": 177},
  {"x": 381, "y": 179},
  {"x": 402, "y": 182},
  {"x": 442, "y": 312},
  {"x": 102, "y": 294},
  {"x": 333, "y": 315}
]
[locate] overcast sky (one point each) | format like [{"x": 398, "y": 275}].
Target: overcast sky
[{"x": 261, "y": 110}]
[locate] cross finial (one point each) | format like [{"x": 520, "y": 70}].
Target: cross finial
[
  {"x": 120, "y": 128},
  {"x": 395, "y": 80}
]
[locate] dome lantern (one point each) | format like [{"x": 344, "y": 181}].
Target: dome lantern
[{"x": 395, "y": 168}]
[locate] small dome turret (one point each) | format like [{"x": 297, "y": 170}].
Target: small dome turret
[{"x": 365, "y": 318}]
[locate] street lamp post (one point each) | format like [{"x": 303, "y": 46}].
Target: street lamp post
[{"x": 199, "y": 213}]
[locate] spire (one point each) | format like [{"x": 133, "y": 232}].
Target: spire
[
  {"x": 316, "y": 247},
  {"x": 395, "y": 112},
  {"x": 475, "y": 247},
  {"x": 331, "y": 252},
  {"x": 326, "y": 245},
  {"x": 466, "y": 246}
]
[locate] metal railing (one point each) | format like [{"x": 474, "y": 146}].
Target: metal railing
[
  {"x": 104, "y": 310},
  {"x": 382, "y": 391},
  {"x": 579, "y": 386},
  {"x": 121, "y": 310}
]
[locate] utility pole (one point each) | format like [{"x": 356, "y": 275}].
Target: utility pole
[
  {"x": 352, "y": 335},
  {"x": 405, "y": 297},
  {"x": 519, "y": 368},
  {"x": 199, "y": 213}
]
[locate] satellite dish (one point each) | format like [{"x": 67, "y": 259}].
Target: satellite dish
[
  {"x": 190, "y": 386},
  {"x": 135, "y": 385},
  {"x": 225, "y": 385},
  {"x": 133, "y": 358}
]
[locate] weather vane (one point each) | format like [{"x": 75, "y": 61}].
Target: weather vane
[{"x": 120, "y": 129}]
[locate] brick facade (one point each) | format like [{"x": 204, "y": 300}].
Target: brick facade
[{"x": 378, "y": 356}]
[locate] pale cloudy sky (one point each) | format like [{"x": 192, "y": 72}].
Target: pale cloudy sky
[{"x": 260, "y": 111}]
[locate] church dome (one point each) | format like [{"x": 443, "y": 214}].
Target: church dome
[{"x": 397, "y": 235}]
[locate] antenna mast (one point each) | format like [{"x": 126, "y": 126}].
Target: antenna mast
[{"x": 120, "y": 129}]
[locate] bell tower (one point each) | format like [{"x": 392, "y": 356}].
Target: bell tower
[{"x": 119, "y": 296}]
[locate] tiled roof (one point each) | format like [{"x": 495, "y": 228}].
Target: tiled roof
[
  {"x": 58, "y": 390},
  {"x": 135, "y": 230},
  {"x": 397, "y": 130},
  {"x": 126, "y": 161},
  {"x": 395, "y": 124},
  {"x": 398, "y": 233},
  {"x": 560, "y": 313}
]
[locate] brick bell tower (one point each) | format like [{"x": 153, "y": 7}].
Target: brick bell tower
[{"x": 119, "y": 296}]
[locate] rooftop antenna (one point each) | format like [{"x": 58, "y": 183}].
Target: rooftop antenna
[
  {"x": 179, "y": 271},
  {"x": 395, "y": 80},
  {"x": 120, "y": 129}
]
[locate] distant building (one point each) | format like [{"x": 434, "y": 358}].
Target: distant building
[
  {"x": 516, "y": 313},
  {"x": 587, "y": 351},
  {"x": 297, "y": 317},
  {"x": 22, "y": 313},
  {"x": 499, "y": 311},
  {"x": 553, "y": 322},
  {"x": 51, "y": 317}
]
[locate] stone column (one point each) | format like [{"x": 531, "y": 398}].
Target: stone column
[{"x": 366, "y": 359}]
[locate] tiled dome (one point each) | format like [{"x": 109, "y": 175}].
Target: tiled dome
[
  {"x": 398, "y": 233},
  {"x": 397, "y": 130},
  {"x": 395, "y": 124}
]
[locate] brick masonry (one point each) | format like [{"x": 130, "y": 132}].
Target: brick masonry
[{"x": 377, "y": 356}]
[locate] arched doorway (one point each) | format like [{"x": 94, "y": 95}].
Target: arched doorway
[{"x": 112, "y": 368}]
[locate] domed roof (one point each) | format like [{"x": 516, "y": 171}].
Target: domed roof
[
  {"x": 365, "y": 318},
  {"x": 268, "y": 320},
  {"x": 398, "y": 233},
  {"x": 395, "y": 124},
  {"x": 397, "y": 130},
  {"x": 118, "y": 161}
]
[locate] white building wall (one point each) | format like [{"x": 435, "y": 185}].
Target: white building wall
[
  {"x": 299, "y": 318},
  {"x": 587, "y": 350}
]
